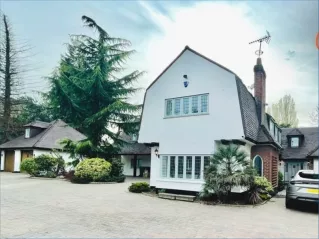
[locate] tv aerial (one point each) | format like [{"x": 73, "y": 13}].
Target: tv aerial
[{"x": 260, "y": 40}]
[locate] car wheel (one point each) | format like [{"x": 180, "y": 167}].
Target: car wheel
[{"x": 289, "y": 203}]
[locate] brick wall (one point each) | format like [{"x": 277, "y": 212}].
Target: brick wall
[{"x": 270, "y": 158}]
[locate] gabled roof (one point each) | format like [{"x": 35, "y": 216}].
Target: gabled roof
[
  {"x": 309, "y": 146},
  {"x": 47, "y": 139},
  {"x": 294, "y": 132},
  {"x": 251, "y": 125},
  {"x": 132, "y": 147},
  {"x": 38, "y": 124}
]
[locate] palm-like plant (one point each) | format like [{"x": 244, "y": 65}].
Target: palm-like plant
[{"x": 227, "y": 169}]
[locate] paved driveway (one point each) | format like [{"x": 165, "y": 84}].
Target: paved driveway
[{"x": 56, "y": 208}]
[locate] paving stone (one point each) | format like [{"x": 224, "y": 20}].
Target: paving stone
[{"x": 56, "y": 208}]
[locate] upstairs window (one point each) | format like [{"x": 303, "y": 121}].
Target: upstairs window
[
  {"x": 191, "y": 105},
  {"x": 177, "y": 106},
  {"x": 294, "y": 142},
  {"x": 27, "y": 133},
  {"x": 169, "y": 107},
  {"x": 186, "y": 105},
  {"x": 204, "y": 103},
  {"x": 271, "y": 127}
]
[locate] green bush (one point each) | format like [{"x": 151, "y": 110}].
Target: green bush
[
  {"x": 94, "y": 169},
  {"x": 29, "y": 166},
  {"x": 139, "y": 187},
  {"x": 48, "y": 165},
  {"x": 281, "y": 184},
  {"x": 264, "y": 184},
  {"x": 43, "y": 166},
  {"x": 116, "y": 168}
]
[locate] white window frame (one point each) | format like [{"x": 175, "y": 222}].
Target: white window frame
[
  {"x": 190, "y": 103},
  {"x": 291, "y": 142},
  {"x": 184, "y": 178},
  {"x": 271, "y": 127},
  {"x": 27, "y": 133}
]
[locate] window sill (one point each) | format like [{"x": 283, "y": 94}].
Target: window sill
[
  {"x": 180, "y": 116},
  {"x": 174, "y": 180}
]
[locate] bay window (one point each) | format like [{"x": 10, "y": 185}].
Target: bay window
[
  {"x": 172, "y": 167},
  {"x": 179, "y": 167},
  {"x": 197, "y": 166},
  {"x": 189, "y": 166},
  {"x": 164, "y": 166}
]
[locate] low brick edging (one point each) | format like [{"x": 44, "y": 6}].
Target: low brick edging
[
  {"x": 102, "y": 182},
  {"x": 217, "y": 204}
]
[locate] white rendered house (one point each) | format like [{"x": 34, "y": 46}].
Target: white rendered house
[{"x": 195, "y": 105}]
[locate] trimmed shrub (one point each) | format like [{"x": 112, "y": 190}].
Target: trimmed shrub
[
  {"x": 46, "y": 163},
  {"x": 29, "y": 166},
  {"x": 116, "y": 168},
  {"x": 281, "y": 184},
  {"x": 43, "y": 166},
  {"x": 264, "y": 184},
  {"x": 139, "y": 187},
  {"x": 94, "y": 169}
]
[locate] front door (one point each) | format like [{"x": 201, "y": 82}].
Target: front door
[
  {"x": 9, "y": 161},
  {"x": 293, "y": 168}
]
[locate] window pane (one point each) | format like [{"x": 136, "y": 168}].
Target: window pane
[
  {"x": 197, "y": 166},
  {"x": 189, "y": 167},
  {"x": 258, "y": 165},
  {"x": 169, "y": 107},
  {"x": 177, "y": 109},
  {"x": 180, "y": 168},
  {"x": 164, "y": 166},
  {"x": 194, "y": 104},
  {"x": 206, "y": 163},
  {"x": 172, "y": 167},
  {"x": 204, "y": 101},
  {"x": 271, "y": 128},
  {"x": 186, "y": 105},
  {"x": 295, "y": 142}
]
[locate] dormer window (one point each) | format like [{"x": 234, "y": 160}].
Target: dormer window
[
  {"x": 294, "y": 142},
  {"x": 27, "y": 133}
]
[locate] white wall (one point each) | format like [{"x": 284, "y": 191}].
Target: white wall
[
  {"x": 315, "y": 165},
  {"x": 192, "y": 134},
  {"x": 3, "y": 156},
  {"x": 145, "y": 161},
  {"x": 184, "y": 184},
  {"x": 17, "y": 160}
]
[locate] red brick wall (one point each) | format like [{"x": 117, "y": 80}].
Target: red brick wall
[{"x": 270, "y": 159}]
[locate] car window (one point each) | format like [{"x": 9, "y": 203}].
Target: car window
[{"x": 309, "y": 175}]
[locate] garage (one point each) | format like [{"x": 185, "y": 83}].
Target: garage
[{"x": 9, "y": 161}]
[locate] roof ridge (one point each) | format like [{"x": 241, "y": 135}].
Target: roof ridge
[
  {"x": 46, "y": 131},
  {"x": 312, "y": 151}
]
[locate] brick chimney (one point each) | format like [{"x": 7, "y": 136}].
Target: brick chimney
[{"x": 260, "y": 89}]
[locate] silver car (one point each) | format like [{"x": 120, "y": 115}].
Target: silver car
[{"x": 303, "y": 187}]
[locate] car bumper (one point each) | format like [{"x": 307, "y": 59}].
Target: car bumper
[{"x": 305, "y": 197}]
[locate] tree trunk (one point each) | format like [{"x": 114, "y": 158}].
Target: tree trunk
[{"x": 7, "y": 80}]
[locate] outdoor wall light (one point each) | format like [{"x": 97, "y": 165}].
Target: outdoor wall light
[{"x": 156, "y": 153}]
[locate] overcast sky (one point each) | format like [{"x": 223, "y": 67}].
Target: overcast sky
[{"x": 159, "y": 30}]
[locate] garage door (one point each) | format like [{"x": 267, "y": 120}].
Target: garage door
[{"x": 9, "y": 162}]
